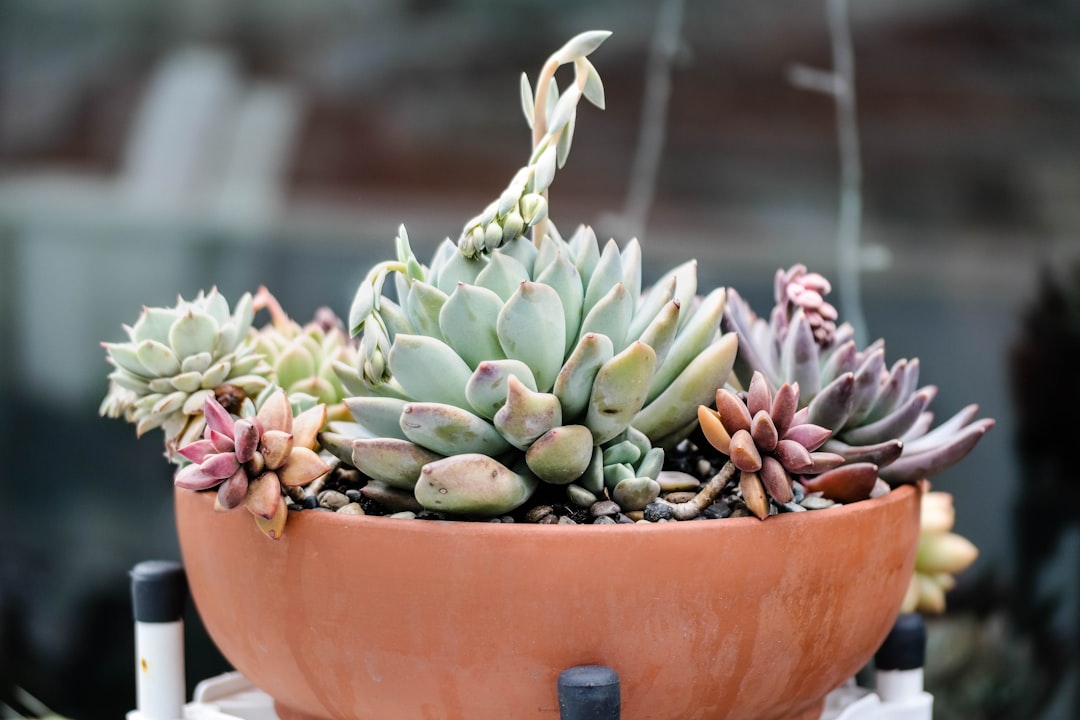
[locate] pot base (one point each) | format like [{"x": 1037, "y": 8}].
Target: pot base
[{"x": 284, "y": 713}]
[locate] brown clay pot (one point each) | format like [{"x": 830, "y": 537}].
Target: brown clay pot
[{"x": 364, "y": 618}]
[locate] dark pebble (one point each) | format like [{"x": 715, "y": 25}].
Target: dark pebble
[
  {"x": 537, "y": 514},
  {"x": 717, "y": 511},
  {"x": 604, "y": 507},
  {"x": 605, "y": 520},
  {"x": 310, "y": 502},
  {"x": 354, "y": 495},
  {"x": 655, "y": 512},
  {"x": 623, "y": 520},
  {"x": 428, "y": 515}
]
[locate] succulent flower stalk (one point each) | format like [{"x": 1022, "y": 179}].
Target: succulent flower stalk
[{"x": 251, "y": 459}]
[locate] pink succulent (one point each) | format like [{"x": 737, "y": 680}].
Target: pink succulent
[{"x": 250, "y": 459}]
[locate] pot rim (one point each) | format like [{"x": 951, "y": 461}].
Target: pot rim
[{"x": 299, "y": 519}]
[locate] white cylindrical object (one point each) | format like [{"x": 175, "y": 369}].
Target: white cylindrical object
[
  {"x": 899, "y": 685},
  {"x": 159, "y": 670}
]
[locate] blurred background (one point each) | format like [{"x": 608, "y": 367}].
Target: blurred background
[{"x": 150, "y": 149}]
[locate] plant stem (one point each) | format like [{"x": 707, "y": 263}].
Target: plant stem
[
  {"x": 706, "y": 496},
  {"x": 543, "y": 83}
]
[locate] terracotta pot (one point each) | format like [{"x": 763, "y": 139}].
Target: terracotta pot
[{"x": 352, "y": 617}]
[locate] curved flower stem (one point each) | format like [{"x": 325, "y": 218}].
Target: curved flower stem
[{"x": 706, "y": 496}]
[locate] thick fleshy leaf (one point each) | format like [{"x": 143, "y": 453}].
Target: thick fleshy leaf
[
  {"x": 754, "y": 494},
  {"x": 220, "y": 466},
  {"x": 306, "y": 426},
  {"x": 222, "y": 443},
  {"x": 846, "y": 484},
  {"x": 274, "y": 527},
  {"x": 793, "y": 456},
  {"x": 276, "y": 413},
  {"x": 809, "y": 436},
  {"x": 198, "y": 451},
  {"x": 758, "y": 397},
  {"x": 247, "y": 439},
  {"x": 764, "y": 431},
  {"x": 232, "y": 492},
  {"x": 217, "y": 417},
  {"x": 784, "y": 405},
  {"x": 263, "y": 495},
  {"x": 302, "y": 467},
  {"x": 776, "y": 480},
  {"x": 275, "y": 447},
  {"x": 714, "y": 429},
  {"x": 193, "y": 333},
  {"x": 743, "y": 452},
  {"x": 733, "y": 411},
  {"x": 192, "y": 477}
]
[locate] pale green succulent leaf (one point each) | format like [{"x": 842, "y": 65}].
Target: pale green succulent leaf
[
  {"x": 676, "y": 406},
  {"x": 527, "y": 105},
  {"x": 580, "y": 46},
  {"x": 605, "y": 275},
  {"x": 544, "y": 170},
  {"x": 561, "y": 455},
  {"x": 593, "y": 477},
  {"x": 503, "y": 275},
  {"x": 187, "y": 382},
  {"x": 468, "y": 323},
  {"x": 573, "y": 386},
  {"x": 526, "y": 415},
  {"x": 486, "y": 389},
  {"x": 592, "y": 87},
  {"x": 218, "y": 373},
  {"x": 422, "y": 306},
  {"x": 661, "y": 332},
  {"x": 378, "y": 416},
  {"x": 450, "y": 430},
  {"x": 197, "y": 362},
  {"x": 611, "y": 317},
  {"x": 532, "y": 329},
  {"x": 460, "y": 269},
  {"x": 566, "y": 140},
  {"x": 561, "y": 275},
  {"x": 523, "y": 250},
  {"x": 692, "y": 339},
  {"x": 395, "y": 462},
  {"x": 473, "y": 484},
  {"x": 586, "y": 252},
  {"x": 158, "y": 359},
  {"x": 294, "y": 365},
  {"x": 619, "y": 391},
  {"x": 429, "y": 370},
  {"x": 649, "y": 304},
  {"x": 126, "y": 357},
  {"x": 154, "y": 324}
]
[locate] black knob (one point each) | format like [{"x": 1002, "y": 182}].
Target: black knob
[
  {"x": 589, "y": 692},
  {"x": 158, "y": 590}
]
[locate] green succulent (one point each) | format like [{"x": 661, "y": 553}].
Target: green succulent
[
  {"x": 175, "y": 358},
  {"x": 877, "y": 414},
  {"x": 507, "y": 362},
  {"x": 302, "y": 356}
]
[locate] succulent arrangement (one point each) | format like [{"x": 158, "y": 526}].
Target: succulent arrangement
[{"x": 524, "y": 376}]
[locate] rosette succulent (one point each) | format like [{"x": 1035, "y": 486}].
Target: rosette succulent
[
  {"x": 175, "y": 358},
  {"x": 251, "y": 458},
  {"x": 773, "y": 445},
  {"x": 511, "y": 362},
  {"x": 877, "y": 414}
]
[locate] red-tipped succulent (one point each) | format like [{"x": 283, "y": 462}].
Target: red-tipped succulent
[
  {"x": 249, "y": 459},
  {"x": 768, "y": 439}
]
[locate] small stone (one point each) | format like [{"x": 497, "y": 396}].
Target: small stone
[
  {"x": 741, "y": 511},
  {"x": 351, "y": 509},
  {"x": 548, "y": 520},
  {"x": 704, "y": 468},
  {"x": 791, "y": 507},
  {"x": 603, "y": 520},
  {"x": 604, "y": 507},
  {"x": 428, "y": 515},
  {"x": 506, "y": 519},
  {"x": 798, "y": 491},
  {"x": 717, "y": 511},
  {"x": 404, "y": 515},
  {"x": 636, "y": 492},
  {"x": 671, "y": 480},
  {"x": 622, "y": 519},
  {"x": 636, "y": 515},
  {"x": 880, "y": 488},
  {"x": 680, "y": 497},
  {"x": 310, "y": 502},
  {"x": 332, "y": 499},
  {"x": 353, "y": 494},
  {"x": 566, "y": 521},
  {"x": 655, "y": 512},
  {"x": 816, "y": 502},
  {"x": 538, "y": 513}
]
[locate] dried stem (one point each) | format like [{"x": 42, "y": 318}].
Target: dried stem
[{"x": 706, "y": 496}]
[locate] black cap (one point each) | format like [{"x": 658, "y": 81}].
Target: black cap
[
  {"x": 905, "y": 646},
  {"x": 589, "y": 692},
  {"x": 158, "y": 590}
]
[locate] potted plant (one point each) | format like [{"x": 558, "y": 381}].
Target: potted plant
[{"x": 685, "y": 449}]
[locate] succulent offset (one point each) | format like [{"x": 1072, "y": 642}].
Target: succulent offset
[
  {"x": 252, "y": 457},
  {"x": 175, "y": 358},
  {"x": 941, "y": 554},
  {"x": 302, "y": 358},
  {"x": 877, "y": 414}
]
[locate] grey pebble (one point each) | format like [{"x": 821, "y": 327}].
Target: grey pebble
[
  {"x": 816, "y": 502},
  {"x": 603, "y": 520},
  {"x": 655, "y": 512},
  {"x": 404, "y": 515},
  {"x": 351, "y": 509},
  {"x": 604, "y": 507},
  {"x": 332, "y": 499},
  {"x": 354, "y": 495}
]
